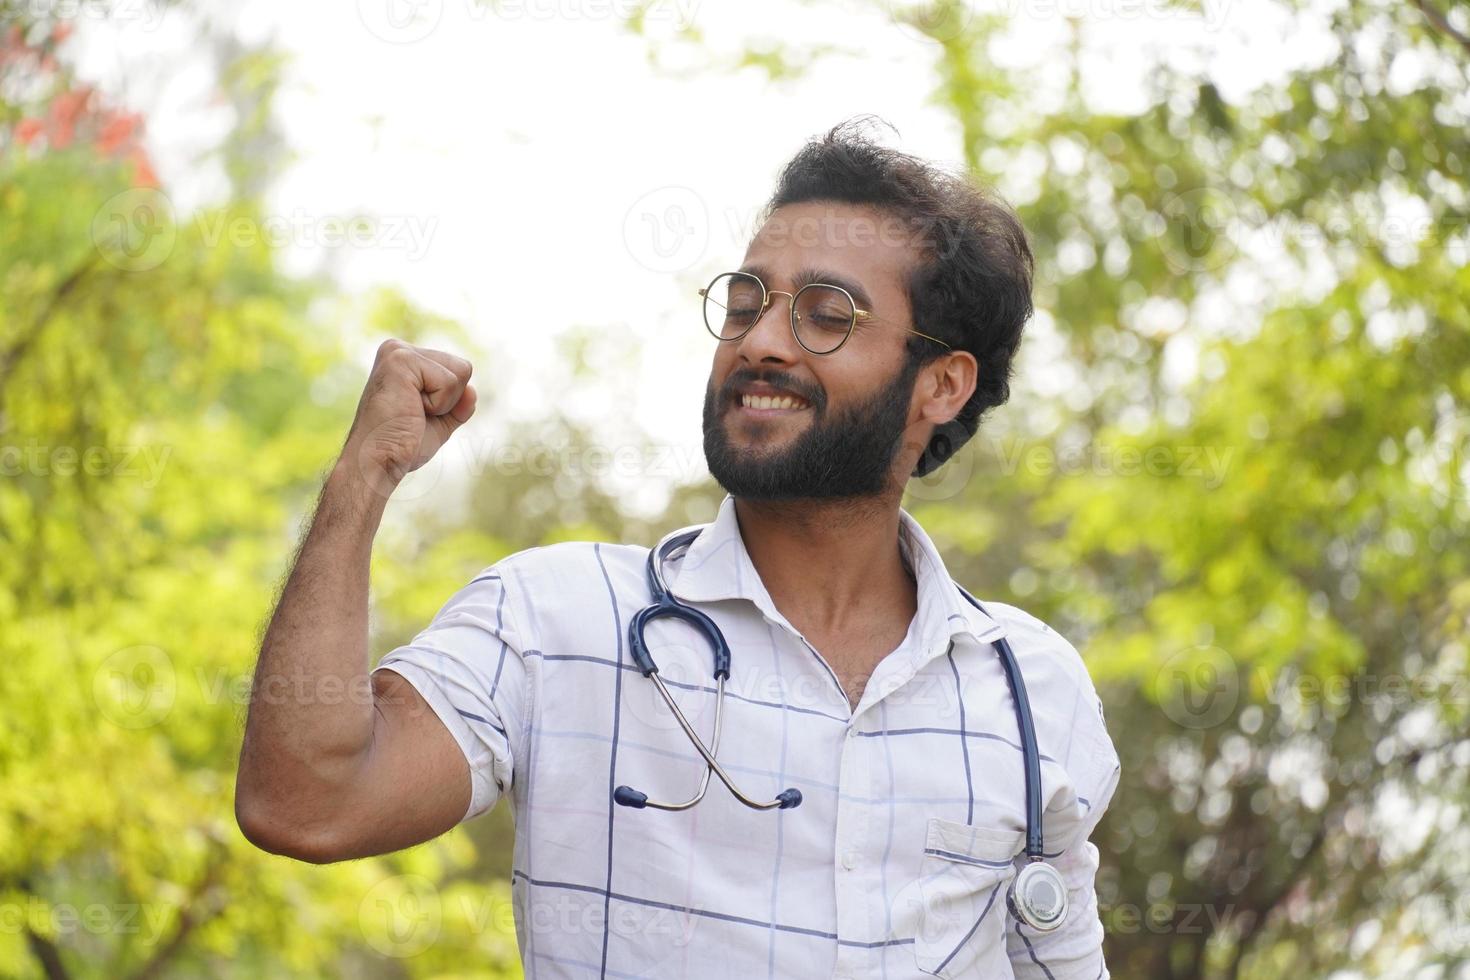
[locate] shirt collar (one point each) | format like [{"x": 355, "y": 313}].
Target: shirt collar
[{"x": 717, "y": 567}]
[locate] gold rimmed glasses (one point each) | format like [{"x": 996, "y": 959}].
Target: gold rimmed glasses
[{"x": 822, "y": 315}]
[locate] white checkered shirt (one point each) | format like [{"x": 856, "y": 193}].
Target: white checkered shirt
[{"x": 913, "y": 815}]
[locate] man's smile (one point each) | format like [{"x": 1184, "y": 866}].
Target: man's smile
[
  {"x": 761, "y": 400},
  {"x": 757, "y": 406}
]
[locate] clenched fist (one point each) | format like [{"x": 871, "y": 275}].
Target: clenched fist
[{"x": 413, "y": 400}]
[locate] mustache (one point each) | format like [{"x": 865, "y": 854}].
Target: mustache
[{"x": 777, "y": 379}]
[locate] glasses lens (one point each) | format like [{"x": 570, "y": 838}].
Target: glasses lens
[
  {"x": 824, "y": 316},
  {"x": 731, "y": 304}
]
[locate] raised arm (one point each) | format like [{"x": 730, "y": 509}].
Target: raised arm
[{"x": 337, "y": 763}]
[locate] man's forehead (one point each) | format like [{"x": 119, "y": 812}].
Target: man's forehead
[{"x": 848, "y": 239}]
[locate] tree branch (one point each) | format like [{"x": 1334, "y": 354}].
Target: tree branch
[
  {"x": 191, "y": 916},
  {"x": 50, "y": 956},
  {"x": 1444, "y": 26},
  {"x": 44, "y": 949},
  {"x": 12, "y": 355}
]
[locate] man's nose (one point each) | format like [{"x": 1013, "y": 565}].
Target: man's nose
[{"x": 771, "y": 338}]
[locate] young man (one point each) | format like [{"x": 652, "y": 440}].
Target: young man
[{"x": 871, "y": 324}]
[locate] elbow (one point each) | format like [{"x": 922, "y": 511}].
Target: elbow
[{"x": 275, "y": 830}]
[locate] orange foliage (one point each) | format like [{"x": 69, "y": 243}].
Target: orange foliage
[{"x": 73, "y": 114}]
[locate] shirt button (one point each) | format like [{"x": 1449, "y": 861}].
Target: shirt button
[{"x": 849, "y": 860}]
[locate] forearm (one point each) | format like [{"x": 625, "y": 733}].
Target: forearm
[{"x": 311, "y": 711}]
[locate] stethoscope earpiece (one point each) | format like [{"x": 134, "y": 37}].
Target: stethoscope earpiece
[
  {"x": 665, "y": 605},
  {"x": 628, "y": 796}
]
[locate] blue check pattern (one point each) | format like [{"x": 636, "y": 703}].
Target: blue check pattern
[{"x": 912, "y": 824}]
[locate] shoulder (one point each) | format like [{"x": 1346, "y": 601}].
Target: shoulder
[
  {"x": 569, "y": 579},
  {"x": 571, "y": 563},
  {"x": 1059, "y": 686},
  {"x": 1042, "y": 651}
]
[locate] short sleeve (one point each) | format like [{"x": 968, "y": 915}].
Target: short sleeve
[{"x": 468, "y": 665}]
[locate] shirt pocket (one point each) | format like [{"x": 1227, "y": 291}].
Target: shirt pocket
[{"x": 962, "y": 885}]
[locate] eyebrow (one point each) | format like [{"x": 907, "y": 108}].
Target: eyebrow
[{"x": 809, "y": 275}]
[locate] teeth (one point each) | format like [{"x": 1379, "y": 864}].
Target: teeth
[{"x": 766, "y": 401}]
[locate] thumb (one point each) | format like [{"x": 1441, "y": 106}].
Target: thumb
[{"x": 457, "y": 415}]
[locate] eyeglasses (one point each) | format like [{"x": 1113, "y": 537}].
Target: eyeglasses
[{"x": 822, "y": 316}]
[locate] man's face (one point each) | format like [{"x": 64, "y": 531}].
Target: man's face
[{"x": 852, "y": 406}]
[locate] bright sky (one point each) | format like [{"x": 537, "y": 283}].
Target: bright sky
[{"x": 530, "y": 172}]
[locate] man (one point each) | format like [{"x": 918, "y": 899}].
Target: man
[{"x": 872, "y": 322}]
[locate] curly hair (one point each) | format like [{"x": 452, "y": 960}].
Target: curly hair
[{"x": 972, "y": 284}]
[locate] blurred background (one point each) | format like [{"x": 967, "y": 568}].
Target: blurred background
[{"x": 1234, "y": 469}]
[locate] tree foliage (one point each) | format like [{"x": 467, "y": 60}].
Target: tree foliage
[
  {"x": 168, "y": 404},
  {"x": 1259, "y": 542}
]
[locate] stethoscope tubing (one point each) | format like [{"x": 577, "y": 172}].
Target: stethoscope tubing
[
  {"x": 1037, "y": 896},
  {"x": 665, "y": 605},
  {"x": 1026, "y": 728}
]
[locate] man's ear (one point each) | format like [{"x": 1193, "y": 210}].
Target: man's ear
[
  {"x": 948, "y": 382},
  {"x": 944, "y": 386}
]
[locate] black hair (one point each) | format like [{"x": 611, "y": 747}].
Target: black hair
[{"x": 970, "y": 288}]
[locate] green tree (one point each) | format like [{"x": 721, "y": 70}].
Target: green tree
[
  {"x": 169, "y": 401},
  {"x": 1260, "y": 558}
]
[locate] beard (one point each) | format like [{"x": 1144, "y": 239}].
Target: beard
[{"x": 849, "y": 454}]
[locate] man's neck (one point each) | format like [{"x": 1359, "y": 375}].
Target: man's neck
[{"x": 829, "y": 565}]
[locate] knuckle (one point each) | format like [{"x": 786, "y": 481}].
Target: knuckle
[{"x": 399, "y": 358}]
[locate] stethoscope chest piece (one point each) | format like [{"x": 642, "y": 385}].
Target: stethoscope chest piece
[{"x": 1038, "y": 896}]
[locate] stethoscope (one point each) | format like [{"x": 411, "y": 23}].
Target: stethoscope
[{"x": 1037, "y": 895}]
